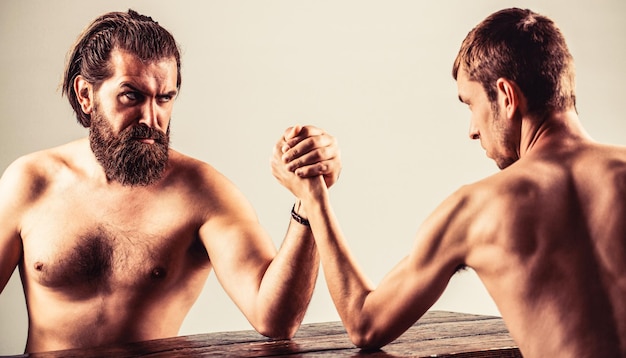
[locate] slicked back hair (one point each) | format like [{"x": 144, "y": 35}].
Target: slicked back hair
[{"x": 127, "y": 31}]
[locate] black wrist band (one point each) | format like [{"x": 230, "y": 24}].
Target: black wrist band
[{"x": 299, "y": 218}]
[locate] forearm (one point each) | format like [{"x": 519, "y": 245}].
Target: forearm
[
  {"x": 348, "y": 286},
  {"x": 288, "y": 283}
]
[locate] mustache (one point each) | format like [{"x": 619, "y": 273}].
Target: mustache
[{"x": 142, "y": 131}]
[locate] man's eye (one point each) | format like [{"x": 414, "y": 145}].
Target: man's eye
[
  {"x": 132, "y": 96},
  {"x": 165, "y": 99}
]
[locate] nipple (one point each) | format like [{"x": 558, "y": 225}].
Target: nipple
[
  {"x": 39, "y": 266},
  {"x": 158, "y": 273}
]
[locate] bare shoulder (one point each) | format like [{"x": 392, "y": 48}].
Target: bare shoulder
[
  {"x": 516, "y": 197},
  {"x": 449, "y": 233},
  {"x": 230, "y": 227},
  {"x": 28, "y": 177},
  {"x": 200, "y": 177},
  {"x": 478, "y": 208},
  {"x": 602, "y": 165},
  {"x": 204, "y": 185},
  {"x": 466, "y": 221},
  {"x": 492, "y": 212}
]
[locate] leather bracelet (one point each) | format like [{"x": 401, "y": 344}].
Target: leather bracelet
[{"x": 299, "y": 218}]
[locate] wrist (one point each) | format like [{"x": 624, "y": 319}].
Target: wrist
[
  {"x": 314, "y": 190},
  {"x": 314, "y": 193},
  {"x": 297, "y": 214}
]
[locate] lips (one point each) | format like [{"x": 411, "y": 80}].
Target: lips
[
  {"x": 145, "y": 140},
  {"x": 145, "y": 134}
]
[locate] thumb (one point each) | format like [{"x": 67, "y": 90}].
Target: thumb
[
  {"x": 289, "y": 137},
  {"x": 292, "y": 132}
]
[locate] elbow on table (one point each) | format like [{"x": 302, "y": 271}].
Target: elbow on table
[
  {"x": 366, "y": 343},
  {"x": 280, "y": 330},
  {"x": 366, "y": 338}
]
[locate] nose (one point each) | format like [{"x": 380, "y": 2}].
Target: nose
[
  {"x": 474, "y": 134},
  {"x": 150, "y": 114}
]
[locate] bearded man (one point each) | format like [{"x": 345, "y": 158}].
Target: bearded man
[{"x": 115, "y": 234}]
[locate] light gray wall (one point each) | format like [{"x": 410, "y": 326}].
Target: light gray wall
[{"x": 376, "y": 74}]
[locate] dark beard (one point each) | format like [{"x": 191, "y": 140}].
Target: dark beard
[{"x": 124, "y": 158}]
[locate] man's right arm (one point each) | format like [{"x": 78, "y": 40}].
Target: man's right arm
[
  {"x": 14, "y": 189},
  {"x": 372, "y": 316}
]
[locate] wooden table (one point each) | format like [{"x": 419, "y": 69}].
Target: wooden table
[{"x": 436, "y": 334}]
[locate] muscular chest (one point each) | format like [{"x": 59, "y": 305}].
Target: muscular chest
[{"x": 103, "y": 242}]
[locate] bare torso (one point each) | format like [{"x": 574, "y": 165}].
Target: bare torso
[
  {"x": 107, "y": 263},
  {"x": 549, "y": 244}
]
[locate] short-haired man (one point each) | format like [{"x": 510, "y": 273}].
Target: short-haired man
[{"x": 546, "y": 235}]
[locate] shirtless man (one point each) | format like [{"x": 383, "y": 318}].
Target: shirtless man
[
  {"x": 546, "y": 235},
  {"x": 115, "y": 235}
]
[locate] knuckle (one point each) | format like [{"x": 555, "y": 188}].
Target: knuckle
[{"x": 326, "y": 153}]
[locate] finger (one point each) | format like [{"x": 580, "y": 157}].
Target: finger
[
  {"x": 297, "y": 147},
  {"x": 319, "y": 168},
  {"x": 296, "y": 134},
  {"x": 325, "y": 170},
  {"x": 310, "y": 144},
  {"x": 279, "y": 169},
  {"x": 287, "y": 133},
  {"x": 279, "y": 149},
  {"x": 291, "y": 137},
  {"x": 310, "y": 130},
  {"x": 292, "y": 132},
  {"x": 312, "y": 157}
]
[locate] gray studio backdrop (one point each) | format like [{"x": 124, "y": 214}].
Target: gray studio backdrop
[{"x": 376, "y": 74}]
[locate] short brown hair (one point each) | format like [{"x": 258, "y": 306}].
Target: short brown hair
[
  {"x": 526, "y": 48},
  {"x": 90, "y": 55}
]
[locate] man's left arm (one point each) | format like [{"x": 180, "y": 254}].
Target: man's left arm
[
  {"x": 272, "y": 288},
  {"x": 311, "y": 152}
]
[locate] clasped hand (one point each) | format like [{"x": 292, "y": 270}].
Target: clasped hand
[{"x": 305, "y": 152}]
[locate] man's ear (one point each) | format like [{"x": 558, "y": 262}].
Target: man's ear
[
  {"x": 84, "y": 94},
  {"x": 510, "y": 97}
]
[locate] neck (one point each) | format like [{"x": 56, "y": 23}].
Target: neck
[{"x": 556, "y": 127}]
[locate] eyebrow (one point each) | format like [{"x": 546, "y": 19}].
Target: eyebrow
[{"x": 171, "y": 93}]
